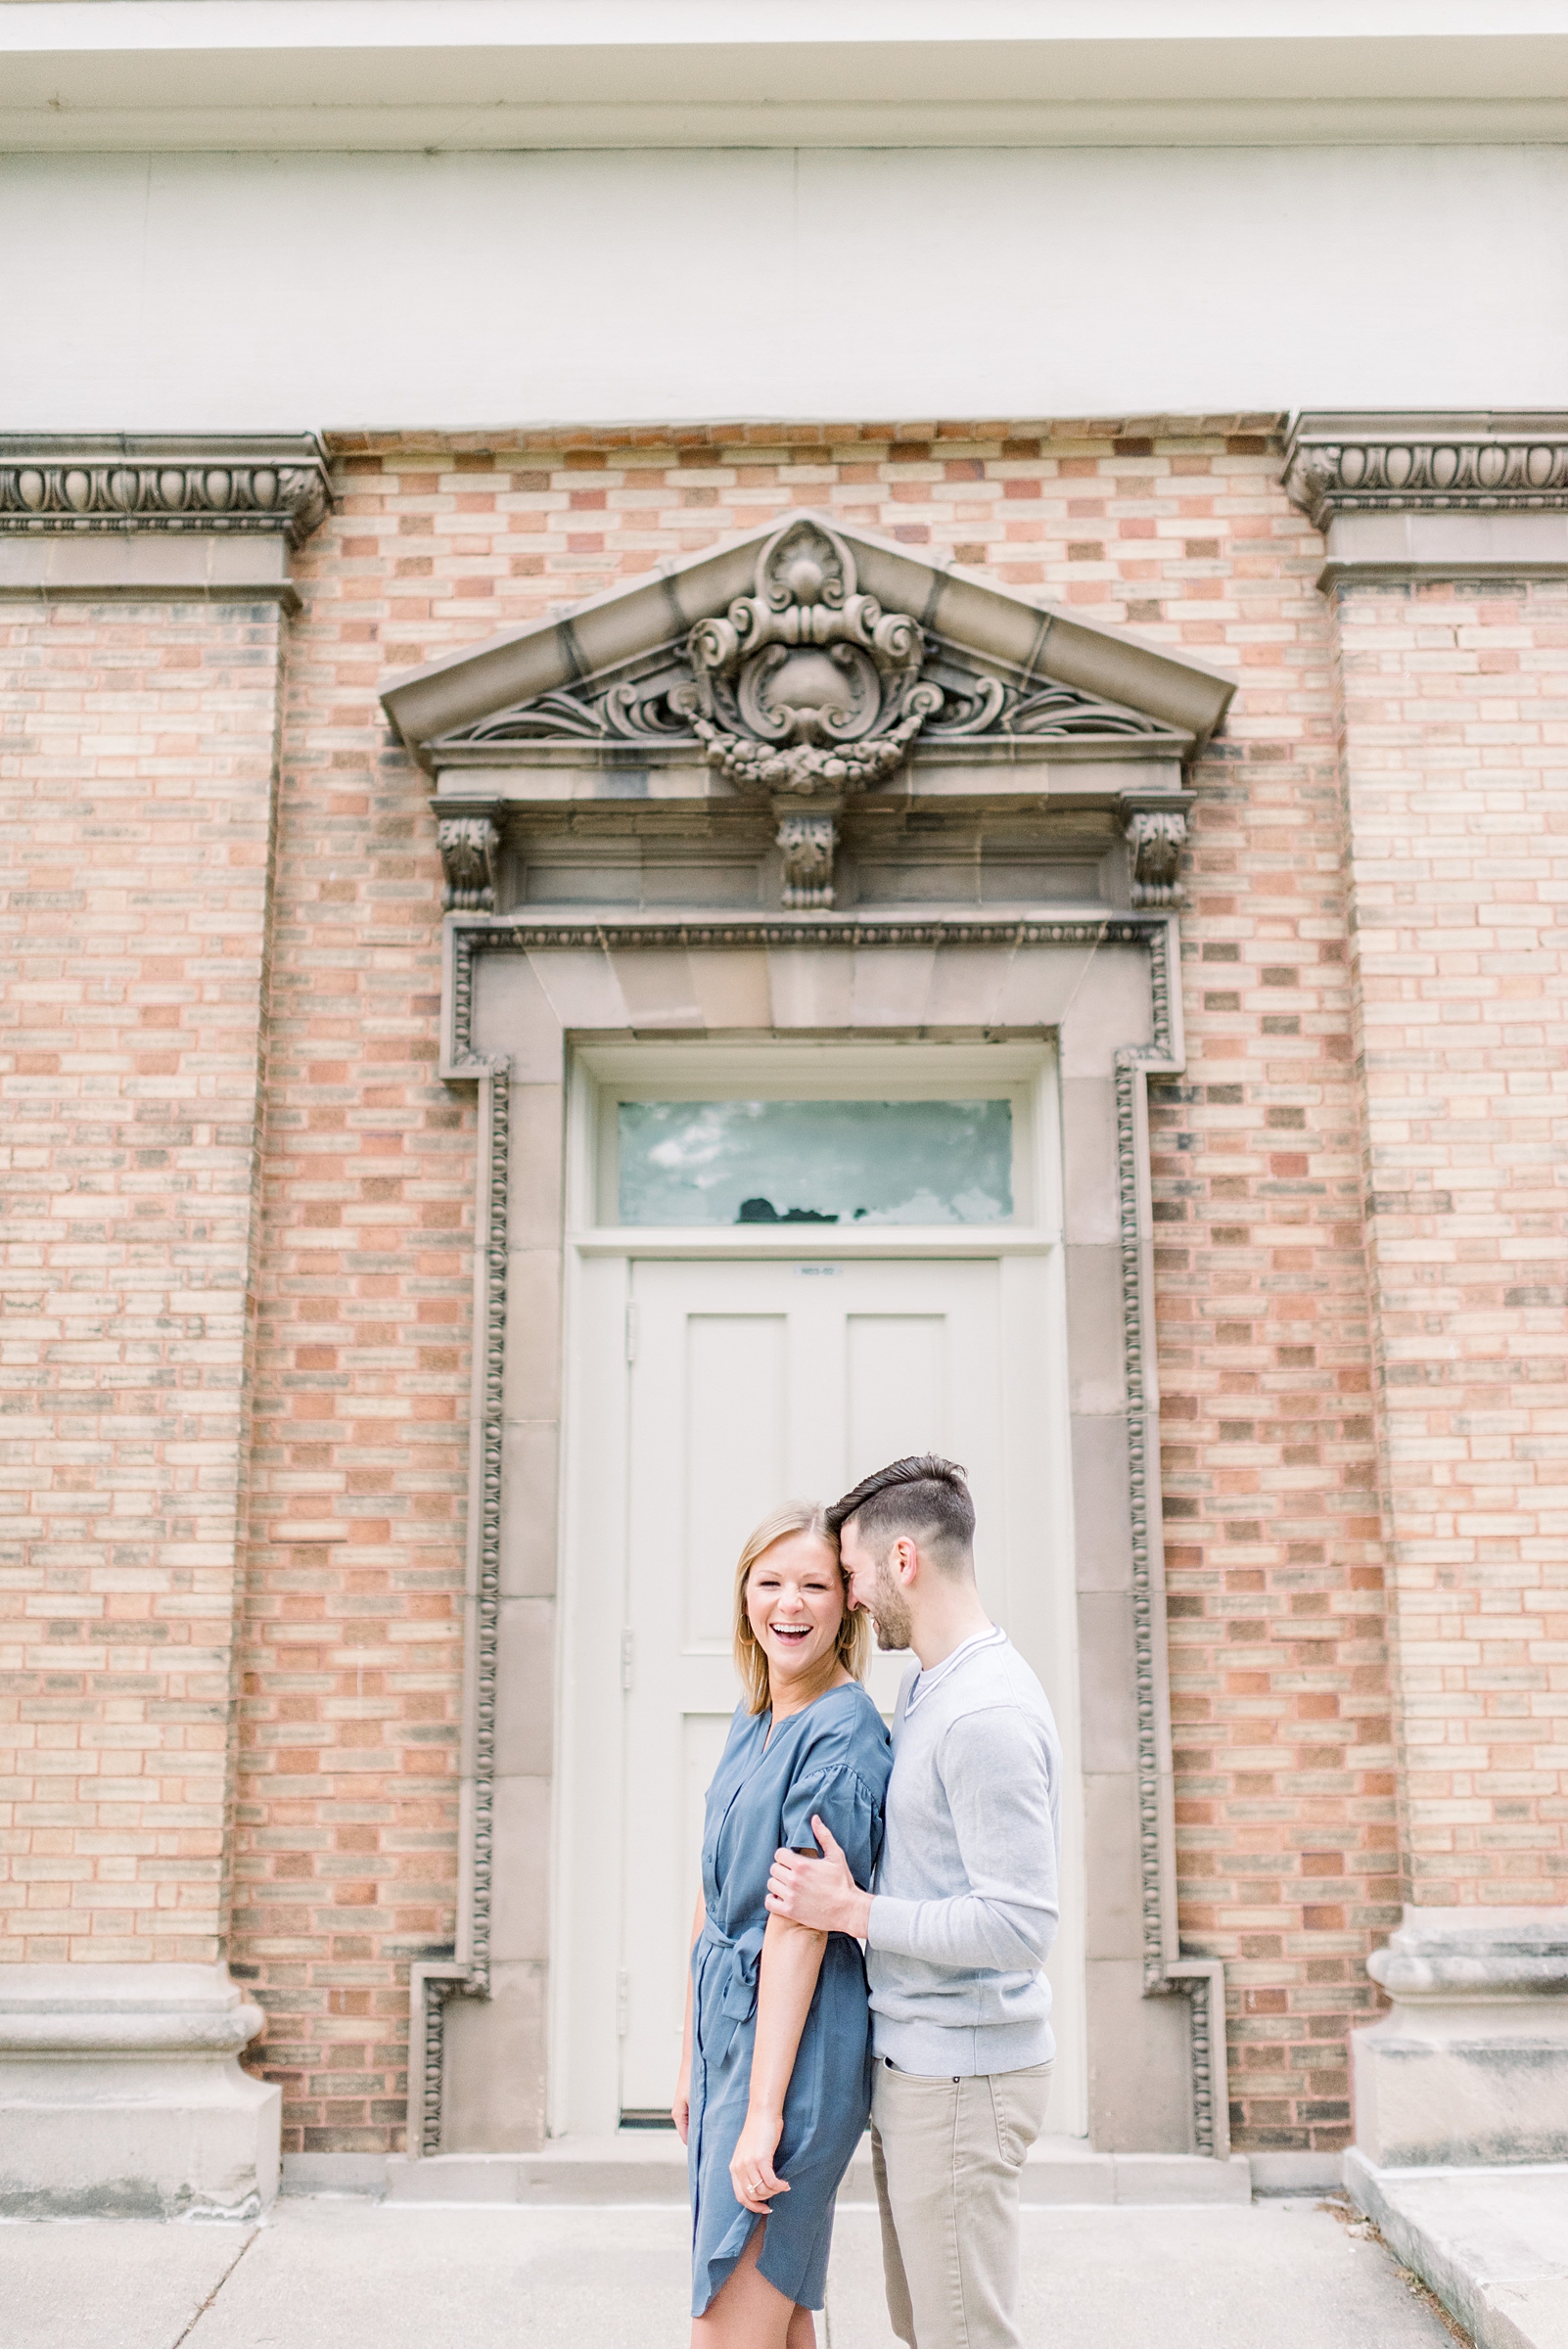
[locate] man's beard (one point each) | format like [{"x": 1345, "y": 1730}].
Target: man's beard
[{"x": 890, "y": 1610}]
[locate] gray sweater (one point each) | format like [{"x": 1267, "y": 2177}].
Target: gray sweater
[{"x": 965, "y": 1903}]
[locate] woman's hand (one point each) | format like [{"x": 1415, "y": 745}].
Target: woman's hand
[
  {"x": 681, "y": 2109},
  {"x": 751, "y": 2168}
]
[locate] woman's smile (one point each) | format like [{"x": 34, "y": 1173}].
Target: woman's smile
[{"x": 795, "y": 1604}]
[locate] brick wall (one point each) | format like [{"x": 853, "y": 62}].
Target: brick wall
[
  {"x": 346, "y": 1846},
  {"x": 138, "y": 761},
  {"x": 141, "y": 752},
  {"x": 1455, "y": 771}
]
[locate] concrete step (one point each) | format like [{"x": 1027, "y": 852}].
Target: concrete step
[
  {"x": 1492, "y": 2243},
  {"x": 649, "y": 2166}
]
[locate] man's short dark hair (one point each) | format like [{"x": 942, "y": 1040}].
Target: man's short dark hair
[{"x": 921, "y": 1499}]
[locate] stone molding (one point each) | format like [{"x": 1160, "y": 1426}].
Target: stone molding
[
  {"x": 1481, "y": 462},
  {"x": 130, "y": 2009},
  {"x": 1434, "y": 495},
  {"x": 1447, "y": 1953},
  {"x": 130, "y": 481}
]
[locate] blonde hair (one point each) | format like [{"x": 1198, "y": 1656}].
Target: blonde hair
[{"x": 854, "y": 1641}]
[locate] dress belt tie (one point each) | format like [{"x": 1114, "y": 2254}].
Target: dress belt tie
[{"x": 740, "y": 1960}]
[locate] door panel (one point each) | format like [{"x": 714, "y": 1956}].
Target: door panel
[
  {"x": 754, "y": 1383},
  {"x": 734, "y": 1408}
]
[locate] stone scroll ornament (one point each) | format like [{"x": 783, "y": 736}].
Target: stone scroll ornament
[
  {"x": 807, "y": 690},
  {"x": 808, "y": 687}
]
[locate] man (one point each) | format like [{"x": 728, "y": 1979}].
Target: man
[{"x": 963, "y": 1917}]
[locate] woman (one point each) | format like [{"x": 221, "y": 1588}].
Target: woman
[{"x": 776, "y": 2073}]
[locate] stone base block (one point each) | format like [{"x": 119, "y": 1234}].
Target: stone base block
[
  {"x": 1459, "y": 2087},
  {"x": 1472, "y": 2064},
  {"x": 122, "y": 2095}
]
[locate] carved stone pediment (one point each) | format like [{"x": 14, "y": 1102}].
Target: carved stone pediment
[
  {"x": 804, "y": 688},
  {"x": 796, "y": 672}
]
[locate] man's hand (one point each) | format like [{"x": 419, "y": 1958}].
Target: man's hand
[{"x": 821, "y": 1893}]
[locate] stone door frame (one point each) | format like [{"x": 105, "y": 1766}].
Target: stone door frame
[{"x": 519, "y": 990}]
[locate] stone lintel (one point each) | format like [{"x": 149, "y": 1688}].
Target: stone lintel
[{"x": 1057, "y": 777}]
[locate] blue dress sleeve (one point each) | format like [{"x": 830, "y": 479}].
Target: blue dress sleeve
[{"x": 849, "y": 1809}]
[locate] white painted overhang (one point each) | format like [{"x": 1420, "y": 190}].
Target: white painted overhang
[{"x": 170, "y": 74}]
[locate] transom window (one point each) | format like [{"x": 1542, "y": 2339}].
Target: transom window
[
  {"x": 853, "y": 1162},
  {"x": 759, "y": 1145}
]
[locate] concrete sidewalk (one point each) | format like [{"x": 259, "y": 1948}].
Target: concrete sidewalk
[{"x": 355, "y": 2273}]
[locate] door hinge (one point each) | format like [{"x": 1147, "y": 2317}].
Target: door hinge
[
  {"x": 631, "y": 1334},
  {"x": 623, "y": 2003},
  {"x": 627, "y": 1654}
]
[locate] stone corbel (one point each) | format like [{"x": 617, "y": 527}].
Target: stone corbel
[
  {"x": 470, "y": 845},
  {"x": 808, "y": 839},
  {"x": 1155, "y": 829}
]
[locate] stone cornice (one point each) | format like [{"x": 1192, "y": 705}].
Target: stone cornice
[
  {"x": 221, "y": 74},
  {"x": 1483, "y": 461},
  {"x": 217, "y": 484}
]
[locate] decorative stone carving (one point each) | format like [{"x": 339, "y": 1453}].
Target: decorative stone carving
[
  {"x": 1479, "y": 463},
  {"x": 807, "y": 842},
  {"x": 657, "y": 710},
  {"x": 469, "y": 845},
  {"x": 1155, "y": 838},
  {"x": 807, "y": 686},
  {"x": 640, "y": 711},
  {"x": 109, "y": 481}
]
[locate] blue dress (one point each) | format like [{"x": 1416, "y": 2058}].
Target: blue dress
[{"x": 833, "y": 1757}]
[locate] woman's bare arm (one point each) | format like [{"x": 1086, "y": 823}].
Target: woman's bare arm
[
  {"x": 791, "y": 1961},
  {"x": 681, "y": 2109}
]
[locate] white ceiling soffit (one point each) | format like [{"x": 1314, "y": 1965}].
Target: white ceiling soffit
[
  {"x": 161, "y": 75},
  {"x": 660, "y": 605}
]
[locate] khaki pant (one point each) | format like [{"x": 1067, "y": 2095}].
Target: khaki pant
[{"x": 946, "y": 2154}]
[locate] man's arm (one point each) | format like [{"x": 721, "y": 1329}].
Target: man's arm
[
  {"x": 995, "y": 1774},
  {"x": 820, "y": 1893}
]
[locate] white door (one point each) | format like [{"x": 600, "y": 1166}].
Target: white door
[{"x": 752, "y": 1383}]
